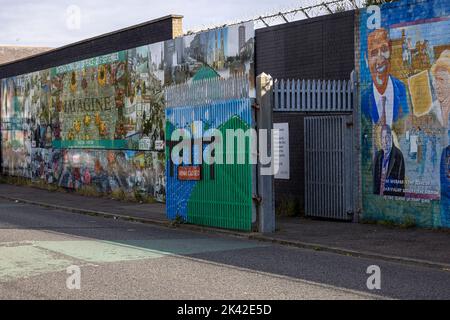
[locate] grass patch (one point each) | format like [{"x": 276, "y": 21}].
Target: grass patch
[
  {"x": 408, "y": 222},
  {"x": 119, "y": 195},
  {"x": 89, "y": 191},
  {"x": 177, "y": 221},
  {"x": 288, "y": 206}
]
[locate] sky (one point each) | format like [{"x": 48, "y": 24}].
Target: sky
[{"x": 54, "y": 23}]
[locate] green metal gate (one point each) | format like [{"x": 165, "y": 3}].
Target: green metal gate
[{"x": 218, "y": 194}]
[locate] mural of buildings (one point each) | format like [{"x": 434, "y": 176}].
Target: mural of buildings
[
  {"x": 100, "y": 122},
  {"x": 405, "y": 102},
  {"x": 219, "y": 52}
]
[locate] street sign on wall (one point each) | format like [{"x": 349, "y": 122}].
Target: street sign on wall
[{"x": 189, "y": 173}]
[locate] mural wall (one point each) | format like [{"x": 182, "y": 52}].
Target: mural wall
[
  {"x": 405, "y": 101},
  {"x": 100, "y": 121}
]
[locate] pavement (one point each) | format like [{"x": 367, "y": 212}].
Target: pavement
[
  {"x": 120, "y": 259},
  {"x": 430, "y": 248}
]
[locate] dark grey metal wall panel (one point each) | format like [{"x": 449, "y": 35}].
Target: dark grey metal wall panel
[
  {"x": 150, "y": 32},
  {"x": 318, "y": 48},
  {"x": 294, "y": 188}
]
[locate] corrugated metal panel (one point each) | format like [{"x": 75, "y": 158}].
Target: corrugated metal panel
[
  {"x": 223, "y": 196},
  {"x": 328, "y": 174}
]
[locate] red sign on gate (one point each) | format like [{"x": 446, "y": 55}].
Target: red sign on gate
[{"x": 189, "y": 173}]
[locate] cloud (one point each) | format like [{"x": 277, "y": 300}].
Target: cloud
[{"x": 43, "y": 23}]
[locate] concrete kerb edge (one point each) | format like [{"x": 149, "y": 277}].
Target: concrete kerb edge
[
  {"x": 354, "y": 253},
  {"x": 250, "y": 236},
  {"x": 109, "y": 215}
]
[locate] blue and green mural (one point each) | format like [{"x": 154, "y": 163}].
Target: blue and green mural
[
  {"x": 405, "y": 101},
  {"x": 219, "y": 193}
]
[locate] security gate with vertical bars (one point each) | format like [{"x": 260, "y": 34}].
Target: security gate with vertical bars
[
  {"x": 327, "y": 107},
  {"x": 328, "y": 166}
]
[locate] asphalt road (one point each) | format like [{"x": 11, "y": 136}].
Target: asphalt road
[{"x": 125, "y": 260}]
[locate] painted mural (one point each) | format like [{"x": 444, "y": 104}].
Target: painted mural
[
  {"x": 108, "y": 102},
  {"x": 218, "y": 53},
  {"x": 101, "y": 122},
  {"x": 405, "y": 101},
  {"x": 217, "y": 194}
]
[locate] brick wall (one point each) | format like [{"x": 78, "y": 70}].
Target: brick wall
[
  {"x": 177, "y": 26},
  {"x": 10, "y": 53}
]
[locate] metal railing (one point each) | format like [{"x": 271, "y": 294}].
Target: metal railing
[{"x": 206, "y": 91}]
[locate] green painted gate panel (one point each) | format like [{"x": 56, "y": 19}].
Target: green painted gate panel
[{"x": 223, "y": 196}]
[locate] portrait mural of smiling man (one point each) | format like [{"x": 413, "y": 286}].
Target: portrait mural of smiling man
[{"x": 405, "y": 85}]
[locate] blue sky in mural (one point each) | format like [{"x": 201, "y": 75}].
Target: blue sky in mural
[{"x": 44, "y": 22}]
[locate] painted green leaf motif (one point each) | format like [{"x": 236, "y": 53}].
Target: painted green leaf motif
[{"x": 225, "y": 200}]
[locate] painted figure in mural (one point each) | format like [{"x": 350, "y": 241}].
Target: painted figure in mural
[
  {"x": 48, "y": 137},
  {"x": 86, "y": 178},
  {"x": 389, "y": 170},
  {"x": 100, "y": 179},
  {"x": 121, "y": 169},
  {"x": 434, "y": 151},
  {"x": 55, "y": 166},
  {"x": 441, "y": 74},
  {"x": 406, "y": 49},
  {"x": 113, "y": 183},
  {"x": 387, "y": 100},
  {"x": 420, "y": 142},
  {"x": 410, "y": 51},
  {"x": 413, "y": 143},
  {"x": 428, "y": 52}
]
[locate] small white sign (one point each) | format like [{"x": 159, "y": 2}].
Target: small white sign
[
  {"x": 144, "y": 143},
  {"x": 159, "y": 145},
  {"x": 281, "y": 155}
]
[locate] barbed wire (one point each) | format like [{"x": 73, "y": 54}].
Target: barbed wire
[{"x": 289, "y": 15}]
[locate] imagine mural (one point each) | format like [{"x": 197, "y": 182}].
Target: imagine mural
[
  {"x": 405, "y": 101},
  {"x": 101, "y": 121}
]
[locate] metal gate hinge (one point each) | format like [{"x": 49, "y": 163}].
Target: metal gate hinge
[{"x": 256, "y": 198}]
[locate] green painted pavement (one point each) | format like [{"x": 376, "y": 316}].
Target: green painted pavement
[
  {"x": 26, "y": 261},
  {"x": 115, "y": 251},
  {"x": 31, "y": 258}
]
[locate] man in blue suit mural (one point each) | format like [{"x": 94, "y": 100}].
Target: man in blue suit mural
[{"x": 386, "y": 101}]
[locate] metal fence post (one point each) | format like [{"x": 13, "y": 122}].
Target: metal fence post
[{"x": 264, "y": 99}]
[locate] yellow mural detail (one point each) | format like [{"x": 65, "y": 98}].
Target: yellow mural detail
[{"x": 419, "y": 86}]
